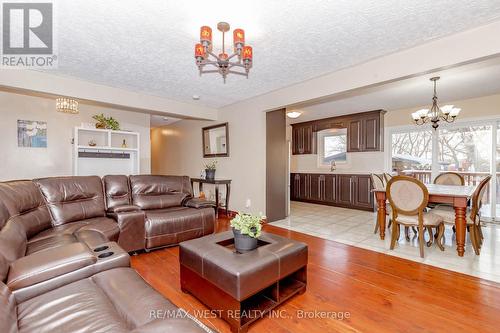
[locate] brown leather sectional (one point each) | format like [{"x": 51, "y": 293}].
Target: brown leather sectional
[{"x": 64, "y": 264}]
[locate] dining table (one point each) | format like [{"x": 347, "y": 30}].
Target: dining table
[{"x": 456, "y": 196}]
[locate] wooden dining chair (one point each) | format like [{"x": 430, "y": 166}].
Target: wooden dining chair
[
  {"x": 408, "y": 198},
  {"x": 387, "y": 177},
  {"x": 378, "y": 184},
  {"x": 473, "y": 215},
  {"x": 449, "y": 178}
]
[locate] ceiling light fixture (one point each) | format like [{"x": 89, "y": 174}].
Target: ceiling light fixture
[
  {"x": 222, "y": 62},
  {"x": 67, "y": 105},
  {"x": 293, "y": 114},
  {"x": 447, "y": 113}
]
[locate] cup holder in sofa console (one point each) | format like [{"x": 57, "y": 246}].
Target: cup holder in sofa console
[
  {"x": 101, "y": 248},
  {"x": 105, "y": 255}
]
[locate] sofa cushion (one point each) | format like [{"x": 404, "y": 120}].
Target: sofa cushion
[
  {"x": 116, "y": 300},
  {"x": 117, "y": 191},
  {"x": 157, "y": 192},
  {"x": 12, "y": 241},
  {"x": 48, "y": 243},
  {"x": 91, "y": 231},
  {"x": 72, "y": 199},
  {"x": 25, "y": 203},
  {"x": 174, "y": 225},
  {"x": 105, "y": 225},
  {"x": 45, "y": 265},
  {"x": 8, "y": 312}
]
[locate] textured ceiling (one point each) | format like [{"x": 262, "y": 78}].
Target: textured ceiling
[
  {"x": 147, "y": 46},
  {"x": 468, "y": 81}
]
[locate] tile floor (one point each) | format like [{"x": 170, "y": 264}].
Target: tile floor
[{"x": 354, "y": 227}]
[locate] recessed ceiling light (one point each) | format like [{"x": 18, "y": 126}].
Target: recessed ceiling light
[
  {"x": 293, "y": 114},
  {"x": 165, "y": 118},
  {"x": 196, "y": 97}
]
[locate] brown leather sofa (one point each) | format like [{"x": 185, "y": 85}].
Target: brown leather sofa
[
  {"x": 96, "y": 304},
  {"x": 62, "y": 266},
  {"x": 172, "y": 216},
  {"x": 56, "y": 224}
]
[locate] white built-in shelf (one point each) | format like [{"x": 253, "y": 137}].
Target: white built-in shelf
[
  {"x": 107, "y": 148},
  {"x": 108, "y": 156}
]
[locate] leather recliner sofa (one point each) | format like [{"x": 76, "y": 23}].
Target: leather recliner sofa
[
  {"x": 61, "y": 268},
  {"x": 115, "y": 299}
]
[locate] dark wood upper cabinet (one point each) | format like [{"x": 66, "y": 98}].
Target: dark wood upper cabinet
[
  {"x": 365, "y": 132},
  {"x": 372, "y": 133},
  {"x": 354, "y": 135},
  {"x": 303, "y": 139}
]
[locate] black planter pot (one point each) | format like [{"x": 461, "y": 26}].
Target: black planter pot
[
  {"x": 210, "y": 174},
  {"x": 243, "y": 243}
]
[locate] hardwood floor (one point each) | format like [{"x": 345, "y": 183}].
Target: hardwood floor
[{"x": 380, "y": 293}]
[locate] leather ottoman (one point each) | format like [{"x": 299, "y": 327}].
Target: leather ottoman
[{"x": 242, "y": 287}]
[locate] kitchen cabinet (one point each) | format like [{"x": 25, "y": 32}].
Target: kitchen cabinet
[
  {"x": 365, "y": 132},
  {"x": 350, "y": 191},
  {"x": 362, "y": 195},
  {"x": 303, "y": 140},
  {"x": 355, "y": 135},
  {"x": 345, "y": 190}
]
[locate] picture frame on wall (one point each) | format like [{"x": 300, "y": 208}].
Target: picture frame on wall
[{"x": 31, "y": 134}]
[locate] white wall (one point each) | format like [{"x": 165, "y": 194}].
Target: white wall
[
  {"x": 177, "y": 150},
  {"x": 56, "y": 159}
]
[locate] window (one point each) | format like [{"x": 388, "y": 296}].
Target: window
[
  {"x": 411, "y": 151},
  {"x": 332, "y": 146},
  {"x": 465, "y": 149}
]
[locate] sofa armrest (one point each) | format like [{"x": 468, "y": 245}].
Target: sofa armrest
[
  {"x": 199, "y": 203},
  {"x": 123, "y": 208},
  {"x": 48, "y": 264},
  {"x": 132, "y": 228}
]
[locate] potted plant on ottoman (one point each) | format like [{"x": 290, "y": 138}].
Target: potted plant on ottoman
[
  {"x": 246, "y": 229},
  {"x": 210, "y": 170}
]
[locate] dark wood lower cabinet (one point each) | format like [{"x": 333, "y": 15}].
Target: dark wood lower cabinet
[{"x": 350, "y": 191}]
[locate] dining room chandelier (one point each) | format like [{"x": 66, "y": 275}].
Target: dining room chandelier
[
  {"x": 239, "y": 62},
  {"x": 436, "y": 114}
]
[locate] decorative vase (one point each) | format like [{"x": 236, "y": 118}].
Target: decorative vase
[
  {"x": 210, "y": 174},
  {"x": 243, "y": 243}
]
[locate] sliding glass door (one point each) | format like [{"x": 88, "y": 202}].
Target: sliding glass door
[{"x": 471, "y": 149}]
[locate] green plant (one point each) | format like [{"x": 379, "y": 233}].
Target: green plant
[
  {"x": 248, "y": 224},
  {"x": 211, "y": 165},
  {"x": 107, "y": 122}
]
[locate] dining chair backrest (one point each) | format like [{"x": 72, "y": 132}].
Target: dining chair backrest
[
  {"x": 387, "y": 177},
  {"x": 477, "y": 197},
  {"x": 449, "y": 178},
  {"x": 407, "y": 195},
  {"x": 377, "y": 182}
]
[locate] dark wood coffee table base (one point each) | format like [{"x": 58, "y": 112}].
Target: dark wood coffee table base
[{"x": 241, "y": 314}]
